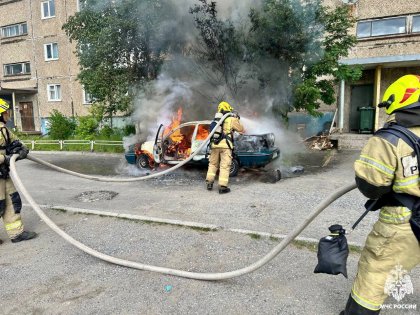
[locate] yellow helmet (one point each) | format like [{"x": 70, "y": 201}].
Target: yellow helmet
[
  {"x": 224, "y": 107},
  {"x": 403, "y": 93},
  {"x": 3, "y": 105}
]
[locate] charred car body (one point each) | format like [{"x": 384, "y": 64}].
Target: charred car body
[{"x": 174, "y": 145}]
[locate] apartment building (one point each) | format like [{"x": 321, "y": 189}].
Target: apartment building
[
  {"x": 388, "y": 47},
  {"x": 38, "y": 65}
]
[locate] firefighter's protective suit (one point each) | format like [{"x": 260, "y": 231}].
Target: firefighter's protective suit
[
  {"x": 222, "y": 153},
  {"x": 387, "y": 165},
  {"x": 10, "y": 202}
]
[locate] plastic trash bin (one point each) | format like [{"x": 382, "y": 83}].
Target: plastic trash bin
[{"x": 366, "y": 119}]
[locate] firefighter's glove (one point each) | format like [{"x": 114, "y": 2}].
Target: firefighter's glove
[
  {"x": 23, "y": 153},
  {"x": 14, "y": 147},
  {"x": 6, "y": 160}
]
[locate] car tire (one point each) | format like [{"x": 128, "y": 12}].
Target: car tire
[
  {"x": 234, "y": 168},
  {"x": 143, "y": 161}
]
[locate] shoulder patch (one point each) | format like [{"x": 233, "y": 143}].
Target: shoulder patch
[{"x": 410, "y": 166}]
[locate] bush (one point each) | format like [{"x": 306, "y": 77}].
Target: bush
[
  {"x": 86, "y": 128},
  {"x": 106, "y": 132},
  {"x": 129, "y": 130},
  {"x": 60, "y": 127}
]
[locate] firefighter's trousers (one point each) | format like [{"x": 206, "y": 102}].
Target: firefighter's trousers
[
  {"x": 388, "y": 247},
  {"x": 219, "y": 157},
  {"x": 10, "y": 206}
]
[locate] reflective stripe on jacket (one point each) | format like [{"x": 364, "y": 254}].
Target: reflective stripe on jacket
[{"x": 388, "y": 162}]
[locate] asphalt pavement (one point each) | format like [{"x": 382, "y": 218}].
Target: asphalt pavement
[{"x": 49, "y": 276}]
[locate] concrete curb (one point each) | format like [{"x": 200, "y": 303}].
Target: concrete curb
[{"x": 187, "y": 224}]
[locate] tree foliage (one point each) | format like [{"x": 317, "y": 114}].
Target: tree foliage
[
  {"x": 289, "y": 49},
  {"x": 320, "y": 77},
  {"x": 311, "y": 39},
  {"x": 119, "y": 45},
  {"x": 218, "y": 45}
]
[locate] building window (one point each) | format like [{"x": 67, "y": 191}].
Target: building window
[
  {"x": 389, "y": 26},
  {"x": 54, "y": 92},
  {"x": 87, "y": 98},
  {"x": 14, "y": 30},
  {"x": 51, "y": 51},
  {"x": 364, "y": 29},
  {"x": 48, "y": 9},
  {"x": 416, "y": 24},
  {"x": 382, "y": 27},
  {"x": 17, "y": 68}
]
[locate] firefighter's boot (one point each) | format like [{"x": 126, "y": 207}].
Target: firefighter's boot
[
  {"x": 224, "y": 190},
  {"x": 24, "y": 236},
  {"x": 209, "y": 185},
  {"x": 352, "y": 308}
]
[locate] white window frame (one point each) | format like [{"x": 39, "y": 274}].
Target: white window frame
[
  {"x": 20, "y": 30},
  {"x": 23, "y": 67},
  {"x": 57, "y": 91},
  {"x": 52, "y": 51},
  {"x": 47, "y": 2},
  {"x": 87, "y": 98}
]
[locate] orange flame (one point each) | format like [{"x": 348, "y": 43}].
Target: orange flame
[
  {"x": 176, "y": 121},
  {"x": 202, "y": 132}
]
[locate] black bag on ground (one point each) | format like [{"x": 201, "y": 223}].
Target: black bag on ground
[{"x": 333, "y": 251}]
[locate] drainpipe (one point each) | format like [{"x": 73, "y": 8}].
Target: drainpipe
[
  {"x": 376, "y": 94},
  {"x": 14, "y": 109},
  {"x": 341, "y": 108}
]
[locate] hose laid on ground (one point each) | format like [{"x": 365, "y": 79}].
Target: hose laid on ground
[
  {"x": 175, "y": 272},
  {"x": 136, "y": 179}
]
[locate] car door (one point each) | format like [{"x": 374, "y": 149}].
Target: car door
[{"x": 157, "y": 147}]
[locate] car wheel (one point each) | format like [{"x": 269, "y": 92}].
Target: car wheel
[
  {"x": 143, "y": 161},
  {"x": 234, "y": 168}
]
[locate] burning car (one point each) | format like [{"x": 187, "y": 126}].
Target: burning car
[{"x": 173, "y": 145}]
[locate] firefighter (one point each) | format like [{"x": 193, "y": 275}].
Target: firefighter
[
  {"x": 10, "y": 202},
  {"x": 222, "y": 150},
  {"x": 387, "y": 172}
]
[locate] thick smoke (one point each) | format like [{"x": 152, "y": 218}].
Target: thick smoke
[{"x": 185, "y": 83}]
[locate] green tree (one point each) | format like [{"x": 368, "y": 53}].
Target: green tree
[
  {"x": 308, "y": 39},
  {"x": 320, "y": 77},
  {"x": 119, "y": 45},
  {"x": 218, "y": 49}
]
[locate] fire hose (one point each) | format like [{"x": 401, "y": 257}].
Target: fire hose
[{"x": 164, "y": 270}]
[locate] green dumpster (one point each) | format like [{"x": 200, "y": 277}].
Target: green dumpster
[{"x": 367, "y": 119}]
